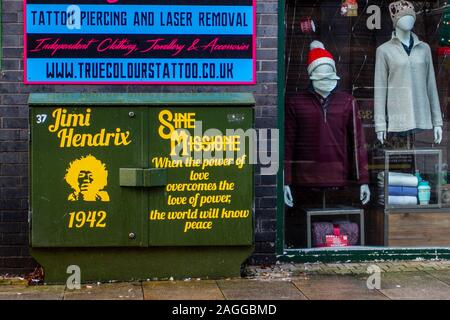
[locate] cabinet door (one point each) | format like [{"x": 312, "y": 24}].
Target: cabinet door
[
  {"x": 205, "y": 206},
  {"x": 76, "y": 155}
]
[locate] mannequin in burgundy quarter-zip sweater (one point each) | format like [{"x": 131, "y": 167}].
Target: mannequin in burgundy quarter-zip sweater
[{"x": 324, "y": 139}]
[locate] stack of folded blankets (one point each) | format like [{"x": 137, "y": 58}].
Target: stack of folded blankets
[{"x": 402, "y": 189}]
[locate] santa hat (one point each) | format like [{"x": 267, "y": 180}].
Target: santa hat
[{"x": 318, "y": 56}]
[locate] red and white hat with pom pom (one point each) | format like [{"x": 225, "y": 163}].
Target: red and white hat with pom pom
[{"x": 318, "y": 56}]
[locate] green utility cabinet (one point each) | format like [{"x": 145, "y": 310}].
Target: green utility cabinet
[{"x": 141, "y": 186}]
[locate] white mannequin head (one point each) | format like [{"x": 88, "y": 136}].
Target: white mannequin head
[
  {"x": 406, "y": 23},
  {"x": 324, "y": 79}
]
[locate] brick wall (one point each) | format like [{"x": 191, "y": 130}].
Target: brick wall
[{"x": 14, "y": 252}]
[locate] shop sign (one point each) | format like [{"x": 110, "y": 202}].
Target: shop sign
[{"x": 140, "y": 42}]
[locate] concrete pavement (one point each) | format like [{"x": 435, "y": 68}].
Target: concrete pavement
[{"x": 398, "y": 280}]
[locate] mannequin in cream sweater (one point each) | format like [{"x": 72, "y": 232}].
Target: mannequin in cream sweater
[{"x": 427, "y": 106}]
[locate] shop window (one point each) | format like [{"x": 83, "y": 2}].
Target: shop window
[{"x": 366, "y": 124}]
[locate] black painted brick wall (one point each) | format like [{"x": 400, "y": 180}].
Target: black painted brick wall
[{"x": 14, "y": 251}]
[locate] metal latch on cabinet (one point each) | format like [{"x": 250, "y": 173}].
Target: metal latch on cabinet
[{"x": 139, "y": 177}]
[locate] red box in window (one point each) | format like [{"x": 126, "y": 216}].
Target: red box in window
[{"x": 336, "y": 239}]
